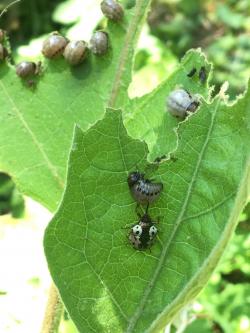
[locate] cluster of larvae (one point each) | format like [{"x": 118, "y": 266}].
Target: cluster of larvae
[
  {"x": 180, "y": 103},
  {"x": 74, "y": 52},
  {"x": 144, "y": 191}
]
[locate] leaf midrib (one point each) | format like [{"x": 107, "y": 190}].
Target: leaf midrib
[
  {"x": 133, "y": 321},
  {"x": 49, "y": 164},
  {"x": 215, "y": 254}
]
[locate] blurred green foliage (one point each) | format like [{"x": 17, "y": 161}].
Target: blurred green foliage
[
  {"x": 28, "y": 19},
  {"x": 227, "y": 296},
  {"x": 222, "y": 30}
]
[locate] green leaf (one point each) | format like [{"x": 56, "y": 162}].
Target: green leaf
[
  {"x": 144, "y": 117},
  {"x": 107, "y": 285},
  {"x": 37, "y": 125}
]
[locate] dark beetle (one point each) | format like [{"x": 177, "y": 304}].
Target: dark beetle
[
  {"x": 112, "y": 10},
  {"x": 143, "y": 233},
  {"x": 54, "y": 45},
  {"x": 99, "y": 43},
  {"x": 75, "y": 52},
  {"x": 203, "y": 74},
  {"x": 192, "y": 72},
  {"x": 27, "y": 68},
  {"x": 144, "y": 191}
]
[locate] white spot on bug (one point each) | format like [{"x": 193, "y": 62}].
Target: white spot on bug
[
  {"x": 137, "y": 230},
  {"x": 152, "y": 231}
]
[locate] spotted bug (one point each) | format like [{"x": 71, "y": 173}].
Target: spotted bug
[
  {"x": 99, "y": 43},
  {"x": 75, "y": 52},
  {"x": 27, "y": 68},
  {"x": 112, "y": 10},
  {"x": 54, "y": 45},
  {"x": 144, "y": 191},
  {"x": 3, "y": 52},
  {"x": 180, "y": 103},
  {"x": 142, "y": 234},
  {"x": 203, "y": 74}
]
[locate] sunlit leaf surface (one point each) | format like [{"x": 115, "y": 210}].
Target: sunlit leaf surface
[
  {"x": 37, "y": 124},
  {"x": 107, "y": 285}
]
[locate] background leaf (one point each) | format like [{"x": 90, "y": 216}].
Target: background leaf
[
  {"x": 43, "y": 120},
  {"x": 105, "y": 284}
]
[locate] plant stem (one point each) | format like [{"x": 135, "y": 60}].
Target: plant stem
[
  {"x": 7, "y": 7},
  {"x": 53, "y": 312}
]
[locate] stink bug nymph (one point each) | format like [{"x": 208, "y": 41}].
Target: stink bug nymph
[
  {"x": 75, "y": 52},
  {"x": 142, "y": 234},
  {"x": 144, "y": 191},
  {"x": 99, "y": 43},
  {"x": 112, "y": 10},
  {"x": 27, "y": 68},
  {"x": 54, "y": 45},
  {"x": 180, "y": 103}
]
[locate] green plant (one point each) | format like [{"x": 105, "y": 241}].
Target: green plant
[{"x": 104, "y": 283}]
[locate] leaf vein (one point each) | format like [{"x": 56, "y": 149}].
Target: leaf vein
[
  {"x": 133, "y": 321},
  {"x": 51, "y": 167}
]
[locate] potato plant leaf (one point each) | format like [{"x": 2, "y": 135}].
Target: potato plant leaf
[
  {"x": 106, "y": 285},
  {"x": 144, "y": 117},
  {"x": 37, "y": 124}
]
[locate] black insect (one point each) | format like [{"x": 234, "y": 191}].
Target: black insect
[
  {"x": 203, "y": 74},
  {"x": 144, "y": 191},
  {"x": 142, "y": 234},
  {"x": 160, "y": 158},
  {"x": 192, "y": 72}
]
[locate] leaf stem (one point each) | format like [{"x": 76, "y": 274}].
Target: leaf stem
[
  {"x": 7, "y": 7},
  {"x": 53, "y": 312},
  {"x": 132, "y": 35}
]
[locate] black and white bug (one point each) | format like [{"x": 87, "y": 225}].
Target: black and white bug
[
  {"x": 75, "y": 52},
  {"x": 112, "y": 10},
  {"x": 142, "y": 234},
  {"x": 54, "y": 45},
  {"x": 203, "y": 74},
  {"x": 144, "y": 191},
  {"x": 180, "y": 102}
]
